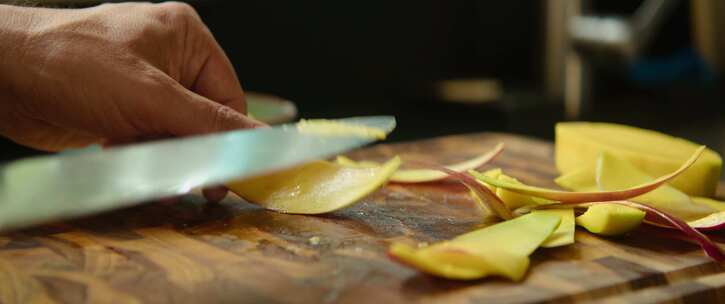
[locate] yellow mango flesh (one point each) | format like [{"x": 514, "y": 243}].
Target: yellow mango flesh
[
  {"x": 336, "y": 128},
  {"x": 313, "y": 188},
  {"x": 582, "y": 179},
  {"x": 613, "y": 173},
  {"x": 610, "y": 219},
  {"x": 578, "y": 144},
  {"x": 512, "y": 199},
  {"x": 705, "y": 201},
  {"x": 493, "y": 173},
  {"x": 502, "y": 249},
  {"x": 347, "y": 162},
  {"x": 425, "y": 175},
  {"x": 564, "y": 234}
]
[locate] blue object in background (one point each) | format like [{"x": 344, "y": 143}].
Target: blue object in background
[{"x": 685, "y": 66}]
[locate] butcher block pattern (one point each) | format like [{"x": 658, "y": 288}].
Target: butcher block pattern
[{"x": 236, "y": 252}]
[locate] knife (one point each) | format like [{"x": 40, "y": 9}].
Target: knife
[{"x": 42, "y": 189}]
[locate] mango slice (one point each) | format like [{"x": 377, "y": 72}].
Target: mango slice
[
  {"x": 333, "y": 128},
  {"x": 493, "y": 173},
  {"x": 313, "y": 188},
  {"x": 582, "y": 179},
  {"x": 427, "y": 175},
  {"x": 502, "y": 249},
  {"x": 655, "y": 215},
  {"x": 613, "y": 173},
  {"x": 564, "y": 234},
  {"x": 610, "y": 219},
  {"x": 712, "y": 222},
  {"x": 579, "y": 143},
  {"x": 482, "y": 194},
  {"x": 513, "y": 200},
  {"x": 581, "y": 197},
  {"x": 705, "y": 201},
  {"x": 347, "y": 162}
]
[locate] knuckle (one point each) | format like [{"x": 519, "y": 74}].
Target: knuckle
[
  {"x": 176, "y": 10},
  {"x": 222, "y": 116},
  {"x": 174, "y": 20}
]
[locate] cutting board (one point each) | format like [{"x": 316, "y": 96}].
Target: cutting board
[{"x": 236, "y": 252}]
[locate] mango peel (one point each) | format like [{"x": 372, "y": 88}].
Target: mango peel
[
  {"x": 613, "y": 173},
  {"x": 482, "y": 193},
  {"x": 710, "y": 248},
  {"x": 596, "y": 196},
  {"x": 502, "y": 249},
  {"x": 578, "y": 144},
  {"x": 427, "y": 175},
  {"x": 313, "y": 188}
]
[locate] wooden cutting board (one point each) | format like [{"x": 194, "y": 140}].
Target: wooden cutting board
[{"x": 238, "y": 253}]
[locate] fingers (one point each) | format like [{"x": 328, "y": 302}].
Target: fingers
[
  {"x": 210, "y": 69},
  {"x": 188, "y": 113},
  {"x": 218, "y": 81},
  {"x": 211, "y": 96},
  {"x": 208, "y": 117},
  {"x": 214, "y": 194},
  {"x": 168, "y": 201},
  {"x": 45, "y": 136}
]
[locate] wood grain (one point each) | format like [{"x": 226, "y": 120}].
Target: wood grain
[{"x": 235, "y": 252}]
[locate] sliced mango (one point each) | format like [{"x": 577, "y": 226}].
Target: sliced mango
[
  {"x": 655, "y": 215},
  {"x": 613, "y": 173},
  {"x": 512, "y": 199},
  {"x": 427, "y": 175},
  {"x": 502, "y": 249},
  {"x": 610, "y": 219},
  {"x": 313, "y": 188},
  {"x": 347, "y": 162},
  {"x": 582, "y": 179},
  {"x": 578, "y": 144},
  {"x": 564, "y": 234},
  {"x": 705, "y": 201},
  {"x": 334, "y": 128},
  {"x": 481, "y": 193},
  {"x": 581, "y": 197},
  {"x": 712, "y": 222},
  {"x": 493, "y": 173}
]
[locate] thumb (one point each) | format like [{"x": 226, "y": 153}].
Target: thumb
[{"x": 193, "y": 114}]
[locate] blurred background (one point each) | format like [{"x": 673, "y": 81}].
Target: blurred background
[{"x": 461, "y": 66}]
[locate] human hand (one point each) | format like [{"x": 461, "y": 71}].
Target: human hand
[
  {"x": 111, "y": 74},
  {"x": 115, "y": 73}
]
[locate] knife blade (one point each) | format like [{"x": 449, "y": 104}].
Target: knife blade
[{"x": 49, "y": 188}]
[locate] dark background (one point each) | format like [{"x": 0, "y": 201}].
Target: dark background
[{"x": 346, "y": 58}]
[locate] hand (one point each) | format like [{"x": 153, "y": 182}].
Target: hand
[{"x": 114, "y": 73}]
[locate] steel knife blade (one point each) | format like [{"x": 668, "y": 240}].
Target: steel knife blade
[{"x": 41, "y": 189}]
